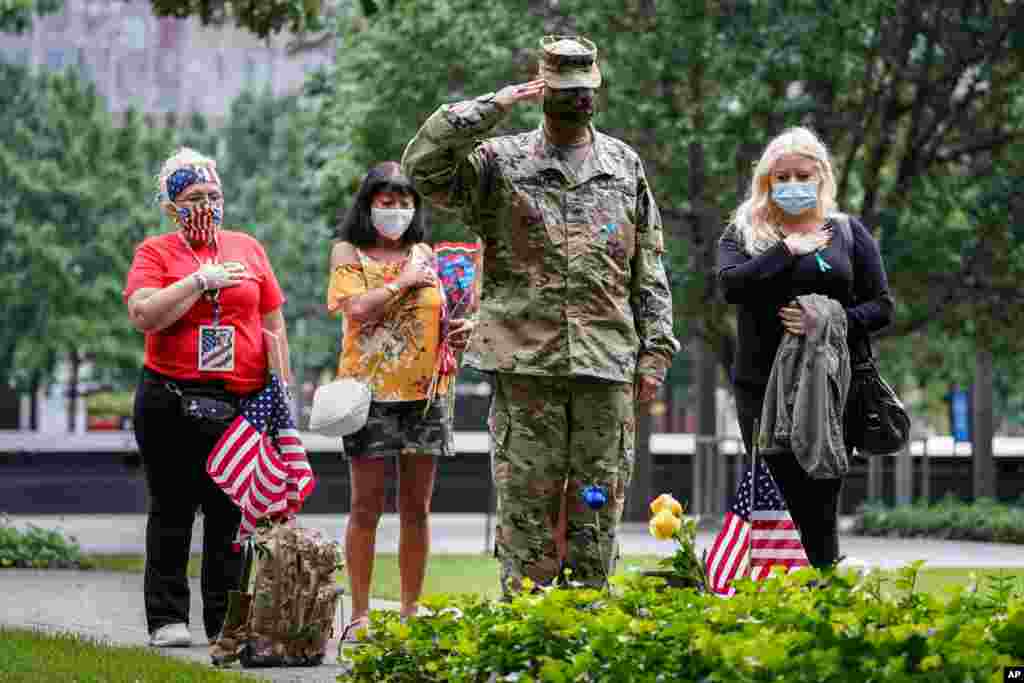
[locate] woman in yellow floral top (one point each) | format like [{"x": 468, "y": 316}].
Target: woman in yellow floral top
[{"x": 384, "y": 282}]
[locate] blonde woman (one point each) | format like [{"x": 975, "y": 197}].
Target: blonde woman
[
  {"x": 785, "y": 241},
  {"x": 202, "y": 296}
]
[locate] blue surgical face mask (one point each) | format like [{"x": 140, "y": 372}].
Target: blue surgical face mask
[{"x": 795, "y": 198}]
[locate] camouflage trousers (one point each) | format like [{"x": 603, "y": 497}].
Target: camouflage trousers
[{"x": 549, "y": 436}]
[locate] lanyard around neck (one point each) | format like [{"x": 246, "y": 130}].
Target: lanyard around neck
[{"x": 212, "y": 295}]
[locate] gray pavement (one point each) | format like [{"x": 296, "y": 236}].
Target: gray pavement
[
  {"x": 108, "y": 606},
  {"x": 468, "y": 533}
]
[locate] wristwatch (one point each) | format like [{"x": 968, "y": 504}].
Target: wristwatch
[
  {"x": 393, "y": 288},
  {"x": 201, "y": 281}
]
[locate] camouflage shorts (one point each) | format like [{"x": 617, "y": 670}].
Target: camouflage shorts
[{"x": 400, "y": 428}]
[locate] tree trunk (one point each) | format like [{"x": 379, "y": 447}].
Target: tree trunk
[
  {"x": 75, "y": 360},
  {"x": 33, "y": 401},
  {"x": 707, "y": 469},
  {"x": 712, "y": 469},
  {"x": 638, "y": 497},
  {"x": 984, "y": 426}
]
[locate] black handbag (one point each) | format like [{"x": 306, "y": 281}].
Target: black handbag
[{"x": 875, "y": 421}]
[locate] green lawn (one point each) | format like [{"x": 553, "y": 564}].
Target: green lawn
[
  {"x": 33, "y": 657},
  {"x": 479, "y": 573}
]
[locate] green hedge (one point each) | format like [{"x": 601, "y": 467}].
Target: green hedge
[
  {"x": 950, "y": 518},
  {"x": 37, "y": 548},
  {"x": 797, "y": 628}
]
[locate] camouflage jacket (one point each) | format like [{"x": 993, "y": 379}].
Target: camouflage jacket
[{"x": 573, "y": 278}]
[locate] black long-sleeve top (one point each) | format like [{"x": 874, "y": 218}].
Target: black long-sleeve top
[{"x": 763, "y": 284}]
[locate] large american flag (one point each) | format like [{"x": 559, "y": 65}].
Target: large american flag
[
  {"x": 757, "y": 534},
  {"x": 260, "y": 461}
]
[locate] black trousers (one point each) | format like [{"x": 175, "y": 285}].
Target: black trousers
[
  {"x": 813, "y": 503},
  {"x": 174, "y": 449}
]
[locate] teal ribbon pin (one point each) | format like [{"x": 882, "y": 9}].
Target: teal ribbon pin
[{"x": 823, "y": 265}]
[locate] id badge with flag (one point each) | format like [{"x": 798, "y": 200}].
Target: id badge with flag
[{"x": 216, "y": 348}]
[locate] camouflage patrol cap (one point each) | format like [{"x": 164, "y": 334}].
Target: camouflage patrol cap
[{"x": 569, "y": 62}]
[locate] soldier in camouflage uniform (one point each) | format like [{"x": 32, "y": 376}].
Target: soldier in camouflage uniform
[{"x": 576, "y": 313}]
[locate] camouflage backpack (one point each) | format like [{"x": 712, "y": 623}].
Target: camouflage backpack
[{"x": 284, "y": 613}]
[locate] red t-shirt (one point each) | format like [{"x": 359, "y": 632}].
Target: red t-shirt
[{"x": 164, "y": 259}]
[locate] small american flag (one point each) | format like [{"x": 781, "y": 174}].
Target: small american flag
[
  {"x": 757, "y": 534},
  {"x": 260, "y": 461}
]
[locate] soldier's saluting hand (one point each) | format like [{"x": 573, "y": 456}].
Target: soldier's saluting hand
[{"x": 510, "y": 95}]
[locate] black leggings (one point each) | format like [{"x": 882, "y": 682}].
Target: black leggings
[
  {"x": 174, "y": 449},
  {"x": 813, "y": 503}
]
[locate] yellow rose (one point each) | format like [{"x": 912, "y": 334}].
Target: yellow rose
[
  {"x": 666, "y": 502},
  {"x": 664, "y": 525}
]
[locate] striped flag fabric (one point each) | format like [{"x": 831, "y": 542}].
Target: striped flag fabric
[
  {"x": 758, "y": 534},
  {"x": 260, "y": 462}
]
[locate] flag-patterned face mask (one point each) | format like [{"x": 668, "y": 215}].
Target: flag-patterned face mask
[
  {"x": 198, "y": 220},
  {"x": 199, "y": 223}
]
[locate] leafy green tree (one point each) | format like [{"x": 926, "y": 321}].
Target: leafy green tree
[
  {"x": 910, "y": 97},
  {"x": 392, "y": 74},
  {"x": 16, "y": 15},
  {"x": 76, "y": 201},
  {"x": 262, "y": 17},
  {"x": 272, "y": 195}
]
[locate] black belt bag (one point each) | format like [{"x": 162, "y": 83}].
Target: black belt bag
[
  {"x": 207, "y": 408},
  {"x": 200, "y": 401},
  {"x": 203, "y": 403}
]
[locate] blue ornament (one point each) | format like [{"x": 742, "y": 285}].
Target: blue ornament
[{"x": 594, "y": 496}]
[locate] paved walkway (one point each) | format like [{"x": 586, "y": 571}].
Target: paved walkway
[
  {"x": 467, "y": 534},
  {"x": 108, "y": 606}
]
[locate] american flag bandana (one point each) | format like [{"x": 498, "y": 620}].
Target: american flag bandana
[
  {"x": 260, "y": 461},
  {"x": 181, "y": 179},
  {"x": 757, "y": 534}
]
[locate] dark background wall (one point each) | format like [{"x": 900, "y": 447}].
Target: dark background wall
[{"x": 94, "y": 483}]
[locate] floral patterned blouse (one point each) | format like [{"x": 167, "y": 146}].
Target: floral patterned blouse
[{"x": 404, "y": 341}]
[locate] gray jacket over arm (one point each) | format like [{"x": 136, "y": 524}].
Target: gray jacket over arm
[{"x": 806, "y": 393}]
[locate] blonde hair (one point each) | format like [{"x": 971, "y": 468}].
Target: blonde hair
[
  {"x": 758, "y": 219},
  {"x": 184, "y": 157}
]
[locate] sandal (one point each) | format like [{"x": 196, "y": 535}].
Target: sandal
[{"x": 356, "y": 633}]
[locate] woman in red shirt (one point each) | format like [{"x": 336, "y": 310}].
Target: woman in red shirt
[{"x": 203, "y": 296}]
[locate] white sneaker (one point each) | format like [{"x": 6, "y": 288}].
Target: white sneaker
[{"x": 171, "y": 635}]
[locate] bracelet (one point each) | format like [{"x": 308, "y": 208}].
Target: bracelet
[{"x": 201, "y": 281}]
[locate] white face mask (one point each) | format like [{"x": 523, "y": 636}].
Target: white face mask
[{"x": 391, "y": 223}]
